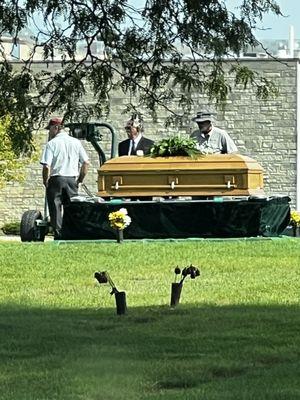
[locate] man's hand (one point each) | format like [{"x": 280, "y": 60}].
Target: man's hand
[{"x": 82, "y": 172}]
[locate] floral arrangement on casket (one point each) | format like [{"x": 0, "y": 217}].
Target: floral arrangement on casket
[{"x": 175, "y": 146}]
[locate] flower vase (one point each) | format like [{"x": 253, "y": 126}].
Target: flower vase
[
  {"x": 295, "y": 230},
  {"x": 175, "y": 293},
  {"x": 121, "y": 302},
  {"x": 120, "y": 236}
]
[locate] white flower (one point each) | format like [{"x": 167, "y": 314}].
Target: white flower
[
  {"x": 123, "y": 211},
  {"x": 127, "y": 220}
]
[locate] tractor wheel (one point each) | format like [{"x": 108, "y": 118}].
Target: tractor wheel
[{"x": 29, "y": 231}]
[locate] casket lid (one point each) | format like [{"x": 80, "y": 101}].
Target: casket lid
[{"x": 202, "y": 162}]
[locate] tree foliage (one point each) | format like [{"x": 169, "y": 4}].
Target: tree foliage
[
  {"x": 147, "y": 52},
  {"x": 12, "y": 160}
]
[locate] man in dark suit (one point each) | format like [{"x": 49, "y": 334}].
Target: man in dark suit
[{"x": 136, "y": 144}]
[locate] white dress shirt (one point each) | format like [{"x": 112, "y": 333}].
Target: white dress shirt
[
  {"x": 63, "y": 154},
  {"x": 133, "y": 143}
]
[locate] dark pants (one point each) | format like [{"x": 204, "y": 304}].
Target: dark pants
[{"x": 59, "y": 191}]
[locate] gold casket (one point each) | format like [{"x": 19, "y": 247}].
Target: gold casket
[{"x": 205, "y": 175}]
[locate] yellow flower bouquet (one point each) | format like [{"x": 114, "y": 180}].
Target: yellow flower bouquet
[
  {"x": 295, "y": 218},
  {"x": 119, "y": 220},
  {"x": 295, "y": 222}
]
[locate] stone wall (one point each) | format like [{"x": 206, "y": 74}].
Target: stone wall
[{"x": 263, "y": 130}]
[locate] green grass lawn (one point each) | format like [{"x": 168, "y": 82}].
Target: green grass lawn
[{"x": 235, "y": 334}]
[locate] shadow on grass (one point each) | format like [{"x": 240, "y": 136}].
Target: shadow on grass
[{"x": 234, "y": 352}]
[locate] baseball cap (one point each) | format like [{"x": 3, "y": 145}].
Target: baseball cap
[{"x": 54, "y": 121}]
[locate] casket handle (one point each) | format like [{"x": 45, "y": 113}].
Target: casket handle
[
  {"x": 223, "y": 186},
  {"x": 172, "y": 180},
  {"x": 230, "y": 180},
  {"x": 116, "y": 181}
]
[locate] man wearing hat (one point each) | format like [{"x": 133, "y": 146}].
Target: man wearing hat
[
  {"x": 136, "y": 143},
  {"x": 60, "y": 160},
  {"x": 212, "y": 140}
]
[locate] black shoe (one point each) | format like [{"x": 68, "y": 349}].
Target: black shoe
[{"x": 57, "y": 235}]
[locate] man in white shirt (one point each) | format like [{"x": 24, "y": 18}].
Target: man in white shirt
[
  {"x": 61, "y": 159},
  {"x": 136, "y": 143},
  {"x": 212, "y": 140}
]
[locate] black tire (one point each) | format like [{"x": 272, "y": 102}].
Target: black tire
[{"x": 29, "y": 232}]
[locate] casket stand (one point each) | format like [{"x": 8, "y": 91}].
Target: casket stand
[
  {"x": 179, "y": 219},
  {"x": 180, "y": 197}
]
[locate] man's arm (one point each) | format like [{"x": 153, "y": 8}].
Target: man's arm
[
  {"x": 123, "y": 149},
  {"x": 228, "y": 144},
  {"x": 146, "y": 145},
  {"x": 83, "y": 171},
  {"x": 46, "y": 174}
]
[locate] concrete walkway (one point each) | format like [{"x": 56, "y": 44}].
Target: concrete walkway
[
  {"x": 9, "y": 238},
  {"x": 13, "y": 238}
]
